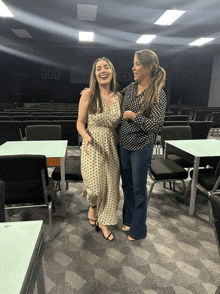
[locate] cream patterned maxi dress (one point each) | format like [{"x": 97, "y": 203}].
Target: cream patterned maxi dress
[{"x": 101, "y": 170}]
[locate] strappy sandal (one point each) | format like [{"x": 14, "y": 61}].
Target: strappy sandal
[
  {"x": 92, "y": 220},
  {"x": 98, "y": 229}
]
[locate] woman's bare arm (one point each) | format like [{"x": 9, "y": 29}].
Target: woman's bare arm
[{"x": 82, "y": 118}]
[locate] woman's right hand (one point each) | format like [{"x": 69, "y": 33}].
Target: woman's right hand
[{"x": 87, "y": 141}]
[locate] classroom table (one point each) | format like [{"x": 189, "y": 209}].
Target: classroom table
[
  {"x": 193, "y": 150},
  {"x": 21, "y": 253},
  {"x": 54, "y": 150}
]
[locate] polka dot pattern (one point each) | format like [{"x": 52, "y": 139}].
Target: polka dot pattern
[
  {"x": 101, "y": 170},
  {"x": 135, "y": 135}
]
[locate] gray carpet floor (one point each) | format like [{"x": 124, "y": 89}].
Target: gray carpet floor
[{"x": 178, "y": 256}]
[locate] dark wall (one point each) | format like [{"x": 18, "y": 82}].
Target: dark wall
[{"x": 188, "y": 80}]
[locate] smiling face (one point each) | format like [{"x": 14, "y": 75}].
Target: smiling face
[
  {"x": 103, "y": 72},
  {"x": 140, "y": 72}
]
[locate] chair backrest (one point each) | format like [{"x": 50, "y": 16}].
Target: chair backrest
[
  {"x": 215, "y": 117},
  {"x": 185, "y": 111},
  {"x": 48, "y": 117},
  {"x": 22, "y": 175},
  {"x": 175, "y": 133},
  {"x": 175, "y": 123},
  {"x": 179, "y": 117},
  {"x": 22, "y": 117},
  {"x": 6, "y": 117},
  {"x": 217, "y": 170},
  {"x": 10, "y": 131},
  {"x": 69, "y": 117},
  {"x": 200, "y": 129},
  {"x": 215, "y": 204},
  {"x": 201, "y": 114},
  {"x": 43, "y": 132},
  {"x": 2, "y": 201},
  {"x": 69, "y": 132}
]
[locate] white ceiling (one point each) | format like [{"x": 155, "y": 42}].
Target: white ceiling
[{"x": 54, "y": 27}]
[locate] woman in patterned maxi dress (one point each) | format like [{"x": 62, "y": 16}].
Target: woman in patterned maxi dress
[{"x": 99, "y": 106}]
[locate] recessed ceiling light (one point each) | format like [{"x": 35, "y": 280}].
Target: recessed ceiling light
[
  {"x": 145, "y": 39},
  {"x": 86, "y": 36},
  {"x": 87, "y": 12},
  {"x": 169, "y": 17},
  {"x": 201, "y": 41},
  {"x": 21, "y": 33},
  {"x": 4, "y": 11}
]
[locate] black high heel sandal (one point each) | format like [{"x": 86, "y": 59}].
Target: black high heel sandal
[
  {"x": 98, "y": 229},
  {"x": 92, "y": 220}
]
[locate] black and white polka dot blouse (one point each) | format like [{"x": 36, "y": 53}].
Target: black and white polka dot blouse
[{"x": 135, "y": 135}]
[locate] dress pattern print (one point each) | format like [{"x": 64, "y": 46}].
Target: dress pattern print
[{"x": 101, "y": 170}]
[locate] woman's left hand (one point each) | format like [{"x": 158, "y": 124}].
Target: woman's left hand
[{"x": 129, "y": 115}]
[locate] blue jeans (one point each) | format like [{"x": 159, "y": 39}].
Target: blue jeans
[{"x": 134, "y": 171}]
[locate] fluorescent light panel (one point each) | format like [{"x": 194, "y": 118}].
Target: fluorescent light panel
[
  {"x": 201, "y": 41},
  {"x": 4, "y": 11},
  {"x": 86, "y": 36},
  {"x": 169, "y": 17},
  {"x": 87, "y": 12},
  {"x": 21, "y": 33},
  {"x": 145, "y": 39}
]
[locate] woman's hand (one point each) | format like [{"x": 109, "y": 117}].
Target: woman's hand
[
  {"x": 129, "y": 115},
  {"x": 84, "y": 90},
  {"x": 87, "y": 141}
]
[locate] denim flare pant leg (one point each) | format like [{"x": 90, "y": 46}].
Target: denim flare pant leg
[{"x": 134, "y": 171}]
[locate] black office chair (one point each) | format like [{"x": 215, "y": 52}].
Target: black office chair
[
  {"x": 178, "y": 117},
  {"x": 10, "y": 131},
  {"x": 169, "y": 170},
  {"x": 215, "y": 117},
  {"x": 175, "y": 123},
  {"x": 215, "y": 205},
  {"x": 2, "y": 201},
  {"x": 166, "y": 170},
  {"x": 72, "y": 172},
  {"x": 201, "y": 114},
  {"x": 200, "y": 129},
  {"x": 43, "y": 132},
  {"x": 209, "y": 182},
  {"x": 176, "y": 133},
  {"x": 27, "y": 183}
]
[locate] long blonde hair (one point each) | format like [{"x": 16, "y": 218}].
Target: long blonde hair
[
  {"x": 96, "y": 102},
  {"x": 149, "y": 58}
]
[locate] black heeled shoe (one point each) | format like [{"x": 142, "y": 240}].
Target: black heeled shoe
[
  {"x": 98, "y": 229},
  {"x": 92, "y": 220}
]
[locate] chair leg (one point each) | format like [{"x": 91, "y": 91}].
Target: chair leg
[
  {"x": 67, "y": 185},
  {"x": 174, "y": 187},
  {"x": 50, "y": 220},
  {"x": 57, "y": 186},
  {"x": 149, "y": 193},
  {"x": 210, "y": 214},
  {"x": 184, "y": 191}
]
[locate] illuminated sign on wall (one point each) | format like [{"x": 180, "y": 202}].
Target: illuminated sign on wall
[{"x": 50, "y": 74}]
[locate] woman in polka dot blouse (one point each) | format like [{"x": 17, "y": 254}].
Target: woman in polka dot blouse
[
  {"x": 143, "y": 112},
  {"x": 99, "y": 107}
]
